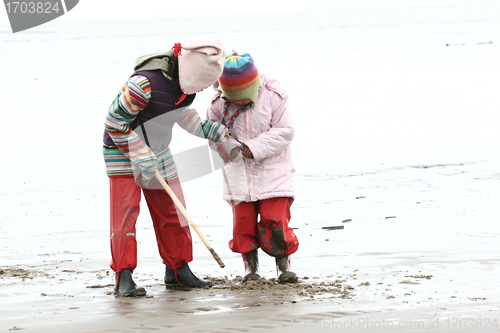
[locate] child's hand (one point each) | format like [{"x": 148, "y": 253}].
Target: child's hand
[
  {"x": 245, "y": 151},
  {"x": 225, "y": 154},
  {"x": 234, "y": 153}
]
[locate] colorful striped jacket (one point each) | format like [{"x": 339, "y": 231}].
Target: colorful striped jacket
[{"x": 129, "y": 150}]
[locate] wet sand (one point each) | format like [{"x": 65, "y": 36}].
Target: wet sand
[
  {"x": 427, "y": 268},
  {"x": 356, "y": 302},
  {"x": 407, "y": 273}
]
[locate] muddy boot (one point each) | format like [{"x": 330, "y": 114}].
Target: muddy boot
[
  {"x": 125, "y": 286},
  {"x": 283, "y": 266},
  {"x": 251, "y": 262},
  {"x": 184, "y": 277}
]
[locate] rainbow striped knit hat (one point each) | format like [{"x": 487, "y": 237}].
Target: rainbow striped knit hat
[{"x": 240, "y": 78}]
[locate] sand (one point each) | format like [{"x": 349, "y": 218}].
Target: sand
[{"x": 356, "y": 302}]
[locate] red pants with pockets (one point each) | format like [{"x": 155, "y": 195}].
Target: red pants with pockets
[
  {"x": 174, "y": 241},
  {"x": 272, "y": 233}
]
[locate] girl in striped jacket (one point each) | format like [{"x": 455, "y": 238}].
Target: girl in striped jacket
[{"x": 138, "y": 130}]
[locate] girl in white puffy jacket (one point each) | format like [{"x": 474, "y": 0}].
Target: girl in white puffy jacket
[{"x": 258, "y": 174}]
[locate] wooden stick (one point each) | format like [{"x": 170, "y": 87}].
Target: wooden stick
[{"x": 183, "y": 211}]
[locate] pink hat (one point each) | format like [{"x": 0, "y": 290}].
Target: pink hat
[{"x": 200, "y": 64}]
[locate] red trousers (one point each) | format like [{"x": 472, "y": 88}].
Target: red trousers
[
  {"x": 174, "y": 241},
  {"x": 272, "y": 233}
]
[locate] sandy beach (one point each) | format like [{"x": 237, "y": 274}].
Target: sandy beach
[{"x": 397, "y": 173}]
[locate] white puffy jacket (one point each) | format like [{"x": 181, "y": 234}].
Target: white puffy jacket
[{"x": 267, "y": 128}]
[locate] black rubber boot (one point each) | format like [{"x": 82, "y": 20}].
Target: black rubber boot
[
  {"x": 251, "y": 261},
  {"x": 125, "y": 286},
  {"x": 283, "y": 266},
  {"x": 184, "y": 278}
]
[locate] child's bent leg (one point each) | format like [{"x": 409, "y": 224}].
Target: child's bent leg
[
  {"x": 174, "y": 241},
  {"x": 276, "y": 238},
  {"x": 173, "y": 236}
]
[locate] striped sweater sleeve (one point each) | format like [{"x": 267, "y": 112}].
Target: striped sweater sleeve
[
  {"x": 191, "y": 122},
  {"x": 132, "y": 98}
]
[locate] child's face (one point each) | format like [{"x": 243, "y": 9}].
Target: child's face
[{"x": 240, "y": 102}]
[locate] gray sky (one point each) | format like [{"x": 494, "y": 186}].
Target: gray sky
[{"x": 162, "y": 8}]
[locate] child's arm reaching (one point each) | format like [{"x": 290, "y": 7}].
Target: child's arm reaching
[{"x": 206, "y": 129}]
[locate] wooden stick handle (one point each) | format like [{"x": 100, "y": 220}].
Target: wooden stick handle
[{"x": 184, "y": 213}]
